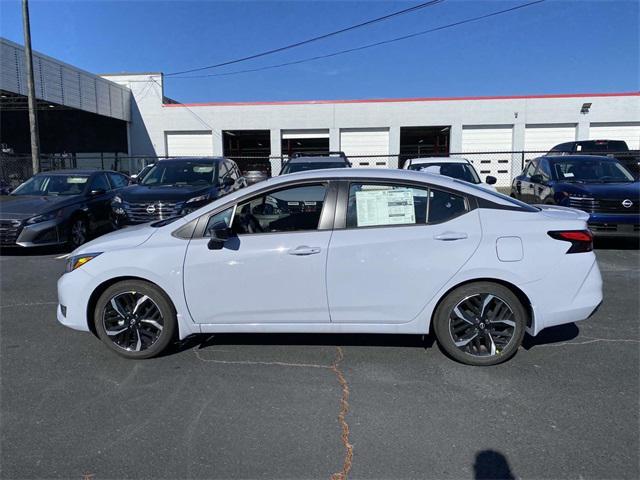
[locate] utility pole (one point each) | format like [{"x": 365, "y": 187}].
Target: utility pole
[{"x": 31, "y": 90}]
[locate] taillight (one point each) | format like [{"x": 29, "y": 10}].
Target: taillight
[{"x": 581, "y": 240}]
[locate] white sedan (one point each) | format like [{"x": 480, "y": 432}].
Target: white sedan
[
  {"x": 459, "y": 168},
  {"x": 340, "y": 251}
]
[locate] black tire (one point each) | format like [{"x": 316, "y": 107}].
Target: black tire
[
  {"x": 78, "y": 231},
  {"x": 135, "y": 329},
  {"x": 491, "y": 312}
]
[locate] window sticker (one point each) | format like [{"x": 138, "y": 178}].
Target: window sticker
[
  {"x": 568, "y": 174},
  {"x": 202, "y": 169},
  {"x": 385, "y": 207},
  {"x": 77, "y": 179}
]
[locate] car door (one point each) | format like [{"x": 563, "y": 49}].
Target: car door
[
  {"x": 523, "y": 184},
  {"x": 272, "y": 269},
  {"x": 400, "y": 244},
  {"x": 99, "y": 197},
  {"x": 540, "y": 182}
]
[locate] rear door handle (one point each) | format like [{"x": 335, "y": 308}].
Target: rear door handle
[
  {"x": 304, "y": 250},
  {"x": 449, "y": 236}
]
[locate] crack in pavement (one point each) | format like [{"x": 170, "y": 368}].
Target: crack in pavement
[
  {"x": 344, "y": 399},
  {"x": 344, "y": 409}
]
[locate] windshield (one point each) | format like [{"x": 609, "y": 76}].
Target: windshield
[
  {"x": 590, "y": 171},
  {"x": 54, "y": 185},
  {"x": 461, "y": 171},
  {"x": 303, "y": 166},
  {"x": 181, "y": 173}
]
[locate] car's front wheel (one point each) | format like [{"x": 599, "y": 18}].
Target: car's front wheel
[
  {"x": 135, "y": 318},
  {"x": 78, "y": 232},
  {"x": 480, "y": 323}
]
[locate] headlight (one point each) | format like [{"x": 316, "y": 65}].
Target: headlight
[
  {"x": 201, "y": 198},
  {"x": 44, "y": 217},
  {"x": 116, "y": 199},
  {"x": 77, "y": 261}
]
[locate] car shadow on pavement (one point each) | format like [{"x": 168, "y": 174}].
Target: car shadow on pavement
[
  {"x": 359, "y": 340},
  {"x": 33, "y": 251},
  {"x": 561, "y": 333},
  {"x": 491, "y": 465}
]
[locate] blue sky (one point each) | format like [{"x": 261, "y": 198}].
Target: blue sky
[{"x": 556, "y": 47}]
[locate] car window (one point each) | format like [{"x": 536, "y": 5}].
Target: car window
[
  {"x": 232, "y": 171},
  {"x": 461, "y": 171},
  {"x": 544, "y": 171},
  {"x": 223, "y": 172},
  {"x": 100, "y": 182},
  {"x": 117, "y": 180},
  {"x": 53, "y": 185},
  {"x": 528, "y": 172},
  {"x": 373, "y": 205},
  {"x": 286, "y": 210},
  {"x": 444, "y": 206},
  {"x": 181, "y": 172},
  {"x": 219, "y": 220}
]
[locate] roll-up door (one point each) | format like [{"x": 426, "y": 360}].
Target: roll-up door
[
  {"x": 489, "y": 149},
  {"x": 542, "y": 138},
  {"x": 372, "y": 144},
  {"x": 189, "y": 144},
  {"x": 629, "y": 132}
]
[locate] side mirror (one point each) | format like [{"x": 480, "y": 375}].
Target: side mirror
[
  {"x": 219, "y": 235},
  {"x": 98, "y": 191},
  {"x": 228, "y": 182},
  {"x": 537, "y": 178},
  {"x": 491, "y": 180}
]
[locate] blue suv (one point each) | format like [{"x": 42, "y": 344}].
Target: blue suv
[{"x": 600, "y": 186}]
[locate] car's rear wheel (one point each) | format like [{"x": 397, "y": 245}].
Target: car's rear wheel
[
  {"x": 135, "y": 318},
  {"x": 480, "y": 323}
]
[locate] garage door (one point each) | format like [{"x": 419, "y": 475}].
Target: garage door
[
  {"x": 298, "y": 134},
  {"x": 542, "y": 138},
  {"x": 493, "y": 141},
  {"x": 366, "y": 141},
  {"x": 630, "y": 133},
  {"x": 189, "y": 144}
]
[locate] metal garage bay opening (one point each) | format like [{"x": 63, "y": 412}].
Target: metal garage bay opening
[
  {"x": 305, "y": 141},
  {"x": 416, "y": 142},
  {"x": 250, "y": 149}
]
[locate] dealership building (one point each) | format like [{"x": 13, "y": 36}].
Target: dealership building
[{"x": 493, "y": 132}]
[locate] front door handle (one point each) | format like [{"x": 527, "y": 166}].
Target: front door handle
[
  {"x": 449, "y": 236},
  {"x": 304, "y": 250}
]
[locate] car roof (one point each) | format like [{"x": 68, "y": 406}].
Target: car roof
[
  {"x": 427, "y": 160},
  {"x": 195, "y": 159},
  {"x": 317, "y": 159}
]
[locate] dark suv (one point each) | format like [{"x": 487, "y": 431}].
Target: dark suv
[
  {"x": 600, "y": 186},
  {"x": 614, "y": 148},
  {"x": 176, "y": 187}
]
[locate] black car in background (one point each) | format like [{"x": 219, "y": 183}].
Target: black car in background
[
  {"x": 59, "y": 207},
  {"x": 302, "y": 162},
  {"x": 614, "y": 148},
  {"x": 600, "y": 186},
  {"x": 175, "y": 187}
]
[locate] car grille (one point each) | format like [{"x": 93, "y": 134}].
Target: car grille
[
  {"x": 149, "y": 212},
  {"x": 611, "y": 228},
  {"x": 9, "y": 231},
  {"x": 604, "y": 205}
]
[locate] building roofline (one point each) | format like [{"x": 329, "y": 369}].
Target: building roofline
[{"x": 400, "y": 100}]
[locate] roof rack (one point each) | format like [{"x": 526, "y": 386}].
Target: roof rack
[{"x": 319, "y": 154}]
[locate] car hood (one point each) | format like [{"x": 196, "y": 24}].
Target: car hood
[
  {"x": 624, "y": 190},
  {"x": 25, "y": 206},
  {"x": 168, "y": 193},
  {"x": 127, "y": 237}
]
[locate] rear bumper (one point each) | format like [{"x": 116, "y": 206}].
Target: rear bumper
[{"x": 554, "y": 306}]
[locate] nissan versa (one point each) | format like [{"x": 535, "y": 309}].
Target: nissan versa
[
  {"x": 54, "y": 208},
  {"x": 600, "y": 186},
  {"x": 340, "y": 251},
  {"x": 176, "y": 187}
]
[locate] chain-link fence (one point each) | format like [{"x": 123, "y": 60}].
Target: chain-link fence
[{"x": 14, "y": 169}]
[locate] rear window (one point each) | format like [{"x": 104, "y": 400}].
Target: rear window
[
  {"x": 504, "y": 198},
  {"x": 602, "y": 146},
  {"x": 304, "y": 166}
]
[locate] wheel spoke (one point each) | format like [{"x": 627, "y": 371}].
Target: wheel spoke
[
  {"x": 140, "y": 301},
  {"x": 465, "y": 342},
  {"x": 485, "y": 303},
  {"x": 139, "y": 342},
  {"x": 111, "y": 333},
  {"x": 152, "y": 322},
  {"x": 493, "y": 345},
  {"x": 511, "y": 323},
  {"x": 116, "y": 307},
  {"x": 461, "y": 315}
]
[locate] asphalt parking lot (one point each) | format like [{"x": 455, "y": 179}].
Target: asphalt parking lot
[{"x": 303, "y": 406}]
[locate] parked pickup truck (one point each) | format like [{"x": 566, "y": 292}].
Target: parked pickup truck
[{"x": 610, "y": 148}]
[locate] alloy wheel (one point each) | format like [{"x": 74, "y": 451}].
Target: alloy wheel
[
  {"x": 132, "y": 321},
  {"x": 78, "y": 232},
  {"x": 482, "y": 325}
]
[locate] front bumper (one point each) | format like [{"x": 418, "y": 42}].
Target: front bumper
[
  {"x": 49, "y": 233},
  {"x": 73, "y": 298}
]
